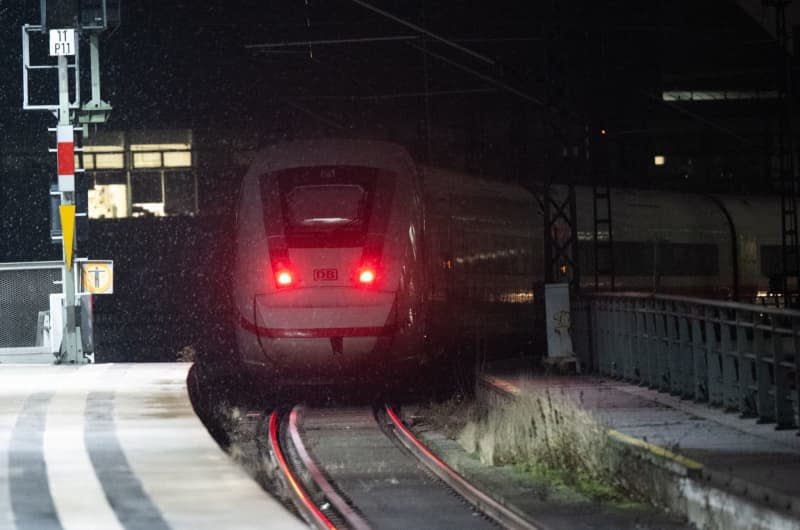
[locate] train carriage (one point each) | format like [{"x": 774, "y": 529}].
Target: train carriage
[
  {"x": 351, "y": 262},
  {"x": 328, "y": 275}
]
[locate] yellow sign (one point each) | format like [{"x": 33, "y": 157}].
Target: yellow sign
[
  {"x": 97, "y": 277},
  {"x": 67, "y": 214}
]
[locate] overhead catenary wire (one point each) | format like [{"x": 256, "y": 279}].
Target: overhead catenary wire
[
  {"x": 485, "y": 77},
  {"x": 443, "y": 40},
  {"x": 355, "y": 40}
]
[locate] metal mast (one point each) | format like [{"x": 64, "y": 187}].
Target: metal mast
[{"x": 787, "y": 179}]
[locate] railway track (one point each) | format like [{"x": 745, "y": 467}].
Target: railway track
[{"x": 362, "y": 468}]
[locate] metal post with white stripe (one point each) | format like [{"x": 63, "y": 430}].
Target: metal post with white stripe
[
  {"x": 71, "y": 351},
  {"x": 64, "y": 21}
]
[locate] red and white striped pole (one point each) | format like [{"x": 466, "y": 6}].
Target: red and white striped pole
[
  {"x": 71, "y": 347},
  {"x": 66, "y": 158}
]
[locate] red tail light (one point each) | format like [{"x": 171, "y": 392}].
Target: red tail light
[
  {"x": 366, "y": 276},
  {"x": 284, "y": 278},
  {"x": 281, "y": 267},
  {"x": 367, "y": 273}
]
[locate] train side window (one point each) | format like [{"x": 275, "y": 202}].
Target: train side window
[
  {"x": 688, "y": 259},
  {"x": 586, "y": 257},
  {"x": 632, "y": 258},
  {"x": 771, "y": 260}
]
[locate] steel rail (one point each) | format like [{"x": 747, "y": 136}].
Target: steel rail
[
  {"x": 354, "y": 520},
  {"x": 488, "y": 505},
  {"x": 300, "y": 496}
]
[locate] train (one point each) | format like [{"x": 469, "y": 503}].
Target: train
[
  {"x": 329, "y": 277},
  {"x": 352, "y": 261}
]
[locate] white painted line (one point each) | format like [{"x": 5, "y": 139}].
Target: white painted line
[
  {"x": 10, "y": 405},
  {"x": 194, "y": 484},
  {"x": 77, "y": 494},
  {"x": 17, "y": 383}
]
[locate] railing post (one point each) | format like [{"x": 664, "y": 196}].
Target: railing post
[
  {"x": 663, "y": 375},
  {"x": 699, "y": 357},
  {"x": 591, "y": 346},
  {"x": 651, "y": 344},
  {"x": 728, "y": 361},
  {"x": 783, "y": 406},
  {"x": 617, "y": 359},
  {"x": 642, "y": 354},
  {"x": 596, "y": 346},
  {"x": 686, "y": 361},
  {"x": 608, "y": 337},
  {"x": 744, "y": 349},
  {"x": 713, "y": 358},
  {"x": 631, "y": 368},
  {"x": 795, "y": 359},
  {"x": 673, "y": 349},
  {"x": 764, "y": 404},
  {"x": 602, "y": 330}
]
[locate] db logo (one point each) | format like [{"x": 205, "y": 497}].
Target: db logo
[{"x": 325, "y": 275}]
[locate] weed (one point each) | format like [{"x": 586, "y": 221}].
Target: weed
[
  {"x": 546, "y": 428},
  {"x": 546, "y": 433}
]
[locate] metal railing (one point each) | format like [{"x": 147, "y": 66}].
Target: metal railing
[{"x": 741, "y": 357}]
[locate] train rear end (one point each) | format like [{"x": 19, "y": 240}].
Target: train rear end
[{"x": 320, "y": 281}]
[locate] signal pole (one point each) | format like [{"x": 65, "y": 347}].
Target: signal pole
[
  {"x": 71, "y": 351},
  {"x": 64, "y": 21}
]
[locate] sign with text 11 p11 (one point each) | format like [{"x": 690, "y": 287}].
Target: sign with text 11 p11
[{"x": 62, "y": 42}]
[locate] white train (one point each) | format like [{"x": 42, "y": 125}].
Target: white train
[
  {"x": 329, "y": 276},
  {"x": 351, "y": 260}
]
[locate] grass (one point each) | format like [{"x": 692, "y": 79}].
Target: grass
[{"x": 548, "y": 434}]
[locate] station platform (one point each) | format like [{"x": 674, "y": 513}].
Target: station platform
[
  {"x": 117, "y": 446},
  {"x": 732, "y": 453}
]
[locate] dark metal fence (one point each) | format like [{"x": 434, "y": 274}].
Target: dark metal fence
[{"x": 741, "y": 357}]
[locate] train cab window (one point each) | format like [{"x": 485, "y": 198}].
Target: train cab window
[
  {"x": 331, "y": 206},
  {"x": 327, "y": 205}
]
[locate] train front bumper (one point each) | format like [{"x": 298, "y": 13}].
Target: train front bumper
[{"x": 322, "y": 330}]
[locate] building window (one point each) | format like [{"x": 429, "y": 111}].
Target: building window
[
  {"x": 140, "y": 173},
  {"x": 161, "y": 155},
  {"x": 180, "y": 193},
  {"x": 108, "y": 197}
]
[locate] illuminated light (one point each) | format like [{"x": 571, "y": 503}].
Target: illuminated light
[
  {"x": 717, "y": 95},
  {"x": 563, "y": 269},
  {"x": 284, "y": 278},
  {"x": 603, "y": 132},
  {"x": 366, "y": 276},
  {"x": 659, "y": 160}
]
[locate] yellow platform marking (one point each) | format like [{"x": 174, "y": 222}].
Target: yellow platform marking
[
  {"x": 67, "y": 214},
  {"x": 656, "y": 450}
]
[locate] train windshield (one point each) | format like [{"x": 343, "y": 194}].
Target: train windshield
[
  {"x": 325, "y": 205},
  {"x": 330, "y": 205}
]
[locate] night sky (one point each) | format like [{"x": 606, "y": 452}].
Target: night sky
[{"x": 556, "y": 69}]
